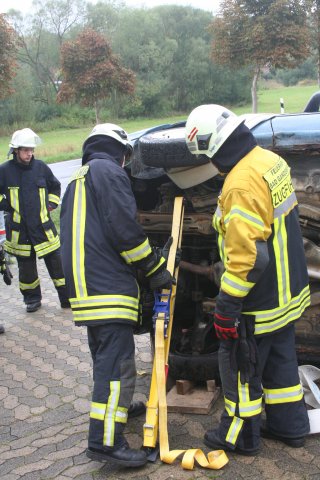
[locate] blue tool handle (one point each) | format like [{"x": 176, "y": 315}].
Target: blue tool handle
[{"x": 161, "y": 305}]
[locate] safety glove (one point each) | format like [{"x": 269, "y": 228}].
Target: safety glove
[
  {"x": 226, "y": 328},
  {"x": 146, "y": 304},
  {"x": 161, "y": 279},
  {"x": 165, "y": 252},
  {"x": 244, "y": 354},
  {"x": 4, "y": 268},
  {"x": 51, "y": 206}
]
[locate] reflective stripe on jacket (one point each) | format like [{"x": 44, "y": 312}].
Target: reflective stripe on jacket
[
  {"x": 260, "y": 243},
  {"x": 25, "y": 193},
  {"x": 102, "y": 243}
]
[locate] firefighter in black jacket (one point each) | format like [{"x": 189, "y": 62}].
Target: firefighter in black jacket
[
  {"x": 4, "y": 267},
  {"x": 28, "y": 192},
  {"x": 102, "y": 246}
]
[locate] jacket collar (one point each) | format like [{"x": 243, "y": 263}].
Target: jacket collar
[{"x": 237, "y": 146}]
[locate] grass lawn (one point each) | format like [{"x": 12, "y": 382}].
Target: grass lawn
[
  {"x": 295, "y": 98},
  {"x": 55, "y": 216},
  {"x": 65, "y": 144}
]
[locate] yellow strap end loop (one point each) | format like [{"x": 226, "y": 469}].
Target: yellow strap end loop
[{"x": 216, "y": 460}]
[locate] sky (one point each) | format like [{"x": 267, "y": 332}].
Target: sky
[{"x": 209, "y": 5}]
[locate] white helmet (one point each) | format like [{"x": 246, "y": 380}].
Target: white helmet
[
  {"x": 113, "y": 131},
  {"x": 208, "y": 127},
  {"x": 24, "y": 138}
]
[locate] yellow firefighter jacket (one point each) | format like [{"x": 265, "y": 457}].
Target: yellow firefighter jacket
[{"x": 260, "y": 244}]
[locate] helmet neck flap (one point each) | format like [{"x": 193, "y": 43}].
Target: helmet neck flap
[
  {"x": 237, "y": 146},
  {"x": 101, "y": 145}
]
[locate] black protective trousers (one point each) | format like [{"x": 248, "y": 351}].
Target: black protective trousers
[
  {"x": 114, "y": 376},
  {"x": 276, "y": 382},
  {"x": 29, "y": 280}
]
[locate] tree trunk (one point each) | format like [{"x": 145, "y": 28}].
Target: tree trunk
[
  {"x": 254, "y": 91},
  {"x": 115, "y": 103},
  {"x": 97, "y": 109}
]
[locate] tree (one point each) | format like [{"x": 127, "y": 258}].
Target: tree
[
  {"x": 260, "y": 34},
  {"x": 91, "y": 72},
  {"x": 8, "y": 47},
  {"x": 103, "y": 16},
  {"x": 314, "y": 19},
  {"x": 60, "y": 16},
  {"x": 168, "y": 47},
  {"x": 41, "y": 36}
]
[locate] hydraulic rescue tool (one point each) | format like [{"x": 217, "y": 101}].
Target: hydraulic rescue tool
[{"x": 156, "y": 414}]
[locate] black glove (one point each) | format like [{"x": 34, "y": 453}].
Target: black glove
[
  {"x": 165, "y": 252},
  {"x": 146, "y": 305},
  {"x": 162, "y": 278},
  {"x": 244, "y": 354},
  {"x": 4, "y": 269}
]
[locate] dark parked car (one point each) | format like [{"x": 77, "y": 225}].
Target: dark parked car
[{"x": 161, "y": 152}]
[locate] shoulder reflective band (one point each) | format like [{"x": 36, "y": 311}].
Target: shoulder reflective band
[{"x": 246, "y": 216}]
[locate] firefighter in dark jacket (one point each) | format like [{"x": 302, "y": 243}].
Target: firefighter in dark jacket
[
  {"x": 102, "y": 248},
  {"x": 264, "y": 288},
  {"x": 28, "y": 192},
  {"x": 4, "y": 267}
]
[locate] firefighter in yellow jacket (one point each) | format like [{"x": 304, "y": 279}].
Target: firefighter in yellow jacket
[
  {"x": 103, "y": 245},
  {"x": 264, "y": 288}
]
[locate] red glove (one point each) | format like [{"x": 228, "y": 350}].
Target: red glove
[{"x": 226, "y": 327}]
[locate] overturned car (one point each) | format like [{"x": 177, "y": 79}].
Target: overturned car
[{"x": 163, "y": 168}]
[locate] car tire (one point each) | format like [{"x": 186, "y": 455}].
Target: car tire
[
  {"x": 167, "y": 149},
  {"x": 196, "y": 368}
]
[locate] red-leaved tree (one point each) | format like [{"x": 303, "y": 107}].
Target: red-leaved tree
[
  {"x": 8, "y": 40},
  {"x": 91, "y": 72}
]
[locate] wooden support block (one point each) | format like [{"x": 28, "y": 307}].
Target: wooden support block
[
  {"x": 183, "y": 386},
  {"x": 211, "y": 385},
  {"x": 198, "y": 400}
]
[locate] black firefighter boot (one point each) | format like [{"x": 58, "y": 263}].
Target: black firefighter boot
[
  {"x": 63, "y": 297},
  {"x": 136, "y": 409},
  {"x": 121, "y": 454},
  {"x": 33, "y": 306}
]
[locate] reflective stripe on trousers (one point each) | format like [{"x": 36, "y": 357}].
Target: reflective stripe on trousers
[
  {"x": 285, "y": 409},
  {"x": 114, "y": 374}
]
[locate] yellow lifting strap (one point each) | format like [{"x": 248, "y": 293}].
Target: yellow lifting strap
[{"x": 156, "y": 415}]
